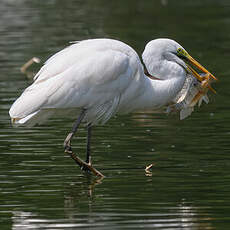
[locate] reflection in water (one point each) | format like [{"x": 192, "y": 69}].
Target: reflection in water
[{"x": 183, "y": 216}]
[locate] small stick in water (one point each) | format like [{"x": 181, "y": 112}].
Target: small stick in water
[
  {"x": 148, "y": 167},
  {"x": 27, "y": 65}
]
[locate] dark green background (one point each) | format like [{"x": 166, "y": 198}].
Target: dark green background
[{"x": 41, "y": 188}]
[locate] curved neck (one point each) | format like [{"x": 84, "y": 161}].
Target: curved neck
[{"x": 158, "y": 93}]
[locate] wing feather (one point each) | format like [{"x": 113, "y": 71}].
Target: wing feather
[{"x": 78, "y": 77}]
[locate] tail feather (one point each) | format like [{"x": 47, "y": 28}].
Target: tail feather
[
  {"x": 27, "y": 106},
  {"x": 32, "y": 102},
  {"x": 32, "y": 119}
]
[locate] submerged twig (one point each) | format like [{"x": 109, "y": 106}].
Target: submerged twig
[
  {"x": 24, "y": 68},
  {"x": 84, "y": 165},
  {"x": 148, "y": 167}
]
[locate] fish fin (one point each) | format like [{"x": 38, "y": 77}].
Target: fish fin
[
  {"x": 205, "y": 99},
  {"x": 186, "y": 112}
]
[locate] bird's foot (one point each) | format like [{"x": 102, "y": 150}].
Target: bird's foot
[
  {"x": 87, "y": 167},
  {"x": 68, "y": 149},
  {"x": 67, "y": 144}
]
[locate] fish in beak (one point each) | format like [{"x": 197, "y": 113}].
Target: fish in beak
[
  {"x": 195, "y": 88},
  {"x": 206, "y": 79}
]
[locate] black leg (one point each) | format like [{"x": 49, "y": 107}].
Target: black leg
[
  {"x": 86, "y": 166},
  {"x": 88, "y": 155},
  {"x": 67, "y": 142}
]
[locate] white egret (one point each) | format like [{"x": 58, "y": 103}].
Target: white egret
[{"x": 97, "y": 78}]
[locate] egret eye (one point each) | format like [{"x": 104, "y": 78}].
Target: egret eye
[{"x": 182, "y": 53}]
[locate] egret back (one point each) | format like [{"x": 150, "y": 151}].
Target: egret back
[{"x": 92, "y": 74}]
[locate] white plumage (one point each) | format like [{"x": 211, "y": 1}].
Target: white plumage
[
  {"x": 97, "y": 78},
  {"x": 104, "y": 76}
]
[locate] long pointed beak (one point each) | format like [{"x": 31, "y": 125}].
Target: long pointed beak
[
  {"x": 205, "y": 80},
  {"x": 200, "y": 67}
]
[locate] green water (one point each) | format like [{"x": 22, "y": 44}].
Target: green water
[{"x": 189, "y": 187}]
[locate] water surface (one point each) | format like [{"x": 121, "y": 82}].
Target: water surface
[{"x": 189, "y": 186}]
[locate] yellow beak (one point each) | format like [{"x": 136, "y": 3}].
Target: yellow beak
[
  {"x": 199, "y": 66},
  {"x": 208, "y": 76}
]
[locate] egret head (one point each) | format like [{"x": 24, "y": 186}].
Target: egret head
[
  {"x": 184, "y": 55},
  {"x": 158, "y": 52}
]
